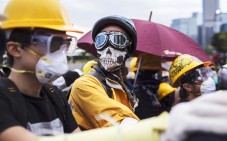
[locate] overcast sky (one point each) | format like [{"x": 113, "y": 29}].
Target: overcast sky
[{"x": 84, "y": 13}]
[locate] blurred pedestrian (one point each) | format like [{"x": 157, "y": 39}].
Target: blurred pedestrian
[
  {"x": 147, "y": 80},
  {"x": 222, "y": 78},
  {"x": 166, "y": 96},
  {"x": 103, "y": 91}
]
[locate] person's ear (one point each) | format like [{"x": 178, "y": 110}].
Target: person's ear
[
  {"x": 13, "y": 49},
  {"x": 187, "y": 87}
]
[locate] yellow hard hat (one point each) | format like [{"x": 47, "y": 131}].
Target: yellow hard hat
[
  {"x": 180, "y": 66},
  {"x": 133, "y": 66},
  {"x": 164, "y": 90},
  {"x": 48, "y": 14},
  {"x": 88, "y": 66}
]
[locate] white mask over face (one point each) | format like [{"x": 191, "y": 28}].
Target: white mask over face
[
  {"x": 111, "y": 58},
  {"x": 51, "y": 66},
  {"x": 208, "y": 86}
]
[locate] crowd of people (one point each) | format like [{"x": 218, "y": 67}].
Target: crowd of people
[{"x": 40, "y": 97}]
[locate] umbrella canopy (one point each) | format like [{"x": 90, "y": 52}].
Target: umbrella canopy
[
  {"x": 156, "y": 39},
  {"x": 86, "y": 43}
]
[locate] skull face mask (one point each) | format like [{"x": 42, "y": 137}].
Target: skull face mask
[{"x": 111, "y": 59}]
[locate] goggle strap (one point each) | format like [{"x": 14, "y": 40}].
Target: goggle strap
[{"x": 49, "y": 43}]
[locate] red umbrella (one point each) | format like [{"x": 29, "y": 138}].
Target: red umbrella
[
  {"x": 86, "y": 43},
  {"x": 156, "y": 39}
]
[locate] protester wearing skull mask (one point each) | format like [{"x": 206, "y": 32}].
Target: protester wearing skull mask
[
  {"x": 103, "y": 91},
  {"x": 36, "y": 47},
  {"x": 193, "y": 78}
]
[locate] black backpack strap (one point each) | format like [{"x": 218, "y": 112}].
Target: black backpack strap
[
  {"x": 8, "y": 88},
  {"x": 102, "y": 80},
  {"x": 58, "y": 101}
]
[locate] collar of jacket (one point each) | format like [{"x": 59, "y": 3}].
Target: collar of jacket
[{"x": 113, "y": 84}]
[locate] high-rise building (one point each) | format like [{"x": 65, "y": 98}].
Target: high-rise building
[
  {"x": 202, "y": 27},
  {"x": 223, "y": 18},
  {"x": 223, "y": 22},
  {"x": 211, "y": 20},
  {"x": 188, "y": 26}
]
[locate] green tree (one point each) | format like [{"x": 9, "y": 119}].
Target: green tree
[{"x": 219, "y": 41}]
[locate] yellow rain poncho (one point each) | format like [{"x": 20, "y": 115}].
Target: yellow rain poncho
[{"x": 89, "y": 98}]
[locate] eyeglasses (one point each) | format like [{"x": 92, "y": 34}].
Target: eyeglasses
[
  {"x": 117, "y": 39},
  {"x": 50, "y": 44}
]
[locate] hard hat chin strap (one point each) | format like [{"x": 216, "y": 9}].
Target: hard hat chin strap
[{"x": 21, "y": 71}]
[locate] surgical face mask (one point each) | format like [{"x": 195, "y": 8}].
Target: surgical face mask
[
  {"x": 51, "y": 66},
  {"x": 111, "y": 58},
  {"x": 208, "y": 86}
]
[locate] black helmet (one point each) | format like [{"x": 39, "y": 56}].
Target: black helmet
[
  {"x": 222, "y": 77},
  {"x": 125, "y": 23}
]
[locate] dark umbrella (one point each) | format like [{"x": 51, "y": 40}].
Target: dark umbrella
[{"x": 156, "y": 39}]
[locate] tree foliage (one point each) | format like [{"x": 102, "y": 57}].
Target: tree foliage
[{"x": 219, "y": 41}]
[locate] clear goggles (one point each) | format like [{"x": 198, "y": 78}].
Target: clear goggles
[
  {"x": 51, "y": 43},
  {"x": 117, "y": 39},
  {"x": 204, "y": 73}
]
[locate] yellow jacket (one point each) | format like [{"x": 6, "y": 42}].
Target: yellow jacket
[{"x": 89, "y": 98}]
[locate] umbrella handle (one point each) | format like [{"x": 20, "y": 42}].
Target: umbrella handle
[{"x": 137, "y": 73}]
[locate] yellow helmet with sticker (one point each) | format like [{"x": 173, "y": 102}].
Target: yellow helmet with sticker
[{"x": 180, "y": 66}]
